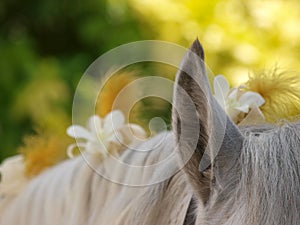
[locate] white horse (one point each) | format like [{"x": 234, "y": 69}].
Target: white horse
[{"x": 229, "y": 175}]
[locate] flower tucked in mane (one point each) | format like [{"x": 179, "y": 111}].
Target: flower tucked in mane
[
  {"x": 43, "y": 150},
  {"x": 281, "y": 90},
  {"x": 13, "y": 177},
  {"x": 107, "y": 135},
  {"x": 112, "y": 87},
  {"x": 236, "y": 101}
]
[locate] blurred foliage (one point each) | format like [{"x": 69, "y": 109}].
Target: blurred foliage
[
  {"x": 47, "y": 45},
  {"x": 45, "y": 48},
  {"x": 238, "y": 35}
]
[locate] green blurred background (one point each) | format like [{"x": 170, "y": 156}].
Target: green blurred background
[{"x": 47, "y": 45}]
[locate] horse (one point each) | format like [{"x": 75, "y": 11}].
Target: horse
[{"x": 225, "y": 174}]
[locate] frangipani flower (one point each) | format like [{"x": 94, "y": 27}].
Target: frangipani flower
[
  {"x": 104, "y": 135},
  {"x": 235, "y": 101},
  {"x": 13, "y": 177}
]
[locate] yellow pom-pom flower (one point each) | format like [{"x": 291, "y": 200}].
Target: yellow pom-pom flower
[
  {"x": 42, "y": 151},
  {"x": 281, "y": 91}
]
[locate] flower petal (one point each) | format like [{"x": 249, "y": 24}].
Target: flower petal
[
  {"x": 12, "y": 166},
  {"x": 233, "y": 94},
  {"x": 13, "y": 178},
  {"x": 71, "y": 147},
  {"x": 133, "y": 134},
  {"x": 137, "y": 130},
  {"x": 254, "y": 117},
  {"x": 233, "y": 114},
  {"x": 77, "y": 131},
  {"x": 222, "y": 89},
  {"x": 250, "y": 98},
  {"x": 243, "y": 108},
  {"x": 113, "y": 121},
  {"x": 116, "y": 137},
  {"x": 95, "y": 124},
  {"x": 97, "y": 148}
]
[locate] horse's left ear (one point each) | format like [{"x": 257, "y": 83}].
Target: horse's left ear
[{"x": 208, "y": 142}]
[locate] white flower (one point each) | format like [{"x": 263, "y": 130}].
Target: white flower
[
  {"x": 235, "y": 101},
  {"x": 102, "y": 135},
  {"x": 13, "y": 177}
]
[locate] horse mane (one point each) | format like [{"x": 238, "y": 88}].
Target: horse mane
[
  {"x": 73, "y": 193},
  {"x": 267, "y": 191}
]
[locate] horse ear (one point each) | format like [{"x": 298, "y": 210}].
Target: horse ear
[{"x": 208, "y": 141}]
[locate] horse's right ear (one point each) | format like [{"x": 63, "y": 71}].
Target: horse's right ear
[{"x": 208, "y": 141}]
